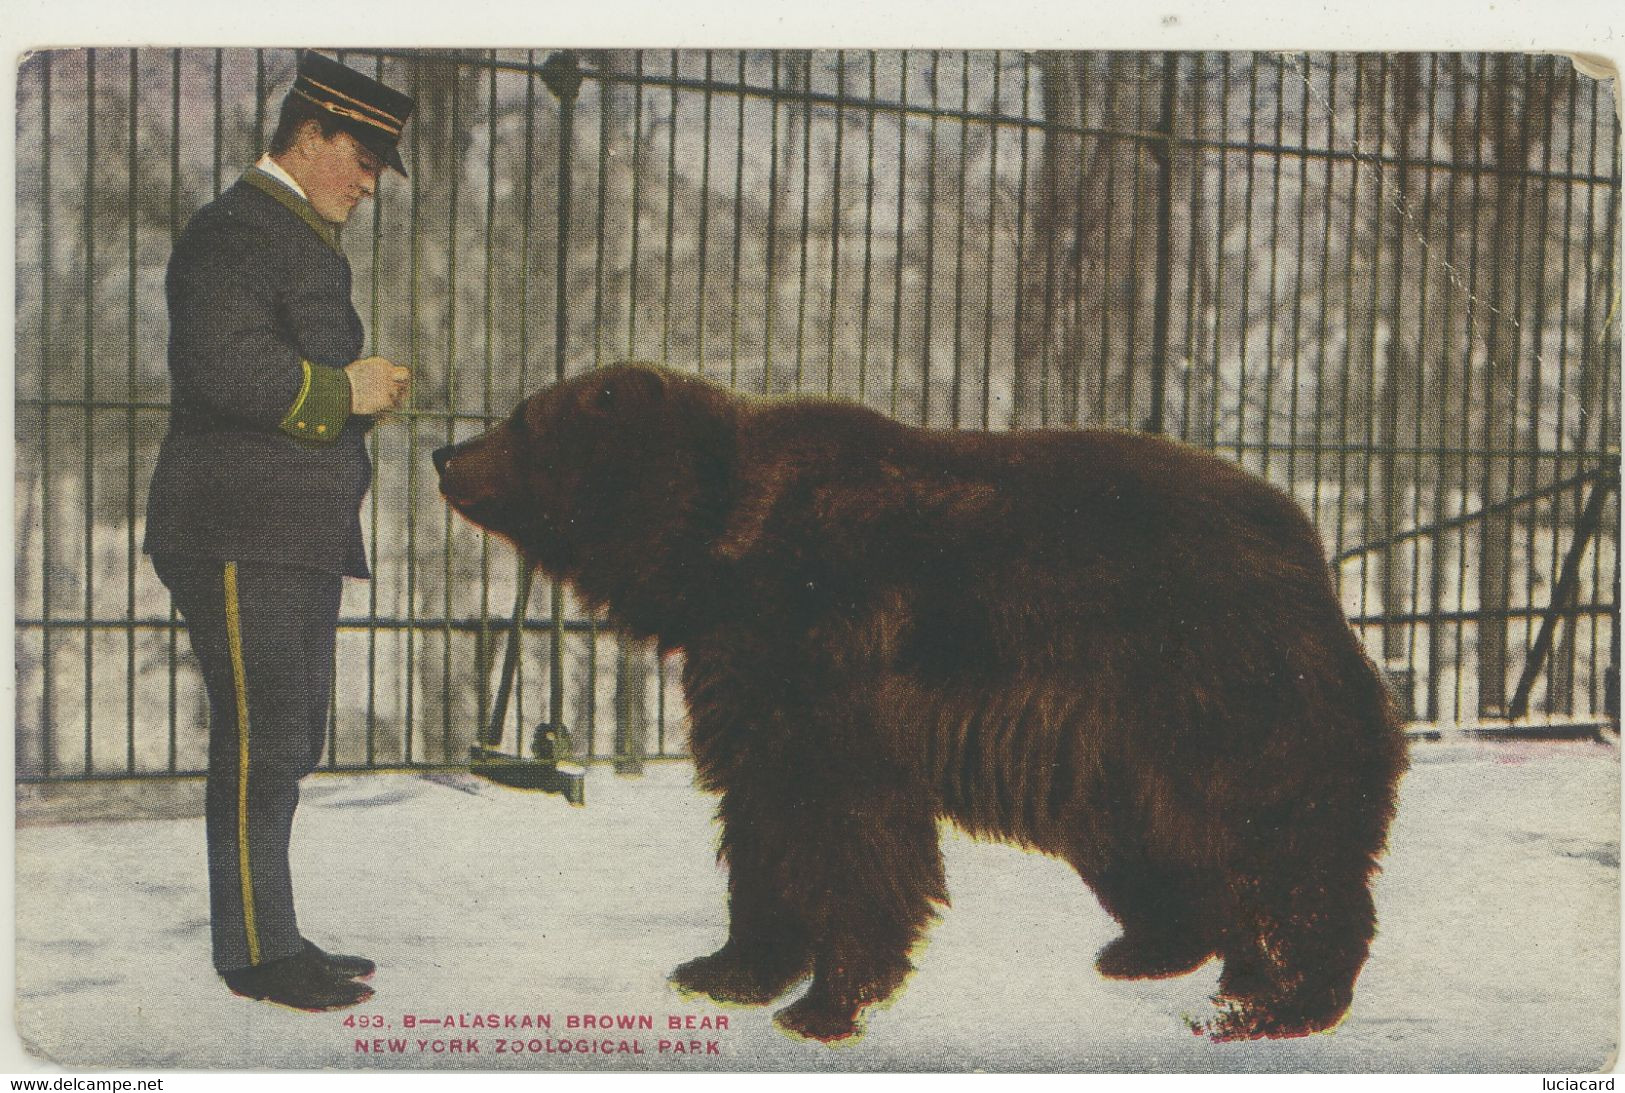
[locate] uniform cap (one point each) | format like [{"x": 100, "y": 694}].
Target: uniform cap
[{"x": 366, "y": 109}]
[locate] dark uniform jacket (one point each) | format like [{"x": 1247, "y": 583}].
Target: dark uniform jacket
[{"x": 263, "y": 460}]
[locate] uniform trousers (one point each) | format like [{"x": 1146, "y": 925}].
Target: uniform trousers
[{"x": 264, "y": 637}]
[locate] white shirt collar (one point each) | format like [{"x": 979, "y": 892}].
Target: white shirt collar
[{"x": 274, "y": 169}]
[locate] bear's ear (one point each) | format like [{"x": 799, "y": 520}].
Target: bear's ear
[
  {"x": 753, "y": 505},
  {"x": 623, "y": 388}
]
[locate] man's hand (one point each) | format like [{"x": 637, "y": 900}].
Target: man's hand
[{"x": 377, "y": 385}]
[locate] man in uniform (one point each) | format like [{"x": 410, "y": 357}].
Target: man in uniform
[{"x": 253, "y": 517}]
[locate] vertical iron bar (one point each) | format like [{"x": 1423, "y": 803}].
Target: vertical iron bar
[
  {"x": 927, "y": 299},
  {"x": 1053, "y": 239},
  {"x": 174, "y": 230},
  {"x": 806, "y": 216},
  {"x": 1243, "y": 330},
  {"x": 605, "y": 101},
  {"x": 1218, "y": 254},
  {"x": 1192, "y": 295},
  {"x": 1373, "y": 306},
  {"x": 453, "y": 200},
  {"x": 1537, "y": 355},
  {"x": 47, "y": 536},
  {"x": 671, "y": 219},
  {"x": 259, "y": 100},
  {"x": 868, "y": 236},
  {"x": 331, "y": 735},
  {"x": 1516, "y": 336},
  {"x": 1017, "y": 307},
  {"x": 1492, "y": 398},
  {"x": 1591, "y": 340},
  {"x": 592, "y": 675},
  {"x": 901, "y": 244},
  {"x": 1110, "y": 119},
  {"x": 1072, "y": 340},
  {"x": 1275, "y": 252},
  {"x": 565, "y": 89},
  {"x": 129, "y": 420},
  {"x": 623, "y": 657},
  {"x": 89, "y": 291},
  {"x": 995, "y": 112},
  {"x": 1344, "y": 377},
  {"x": 1610, "y": 691},
  {"x": 415, "y": 282},
  {"x": 219, "y": 118},
  {"x": 1323, "y": 333},
  {"x": 1423, "y": 325},
  {"x": 637, "y": 207},
  {"x": 739, "y": 230},
  {"x": 1399, "y": 351},
  {"x": 1299, "y": 256},
  {"x": 375, "y": 300},
  {"x": 1560, "y": 467},
  {"x": 522, "y": 570},
  {"x": 1437, "y": 635},
  {"x": 483, "y": 640},
  {"x": 523, "y": 577},
  {"x": 1131, "y": 331},
  {"x": 835, "y": 219},
  {"x": 705, "y": 220},
  {"x": 660, "y": 700},
  {"x": 1446, "y": 357},
  {"x": 955, "y": 394},
  {"x": 770, "y": 290},
  {"x": 1161, "y": 298},
  {"x": 1470, "y": 314},
  {"x": 660, "y": 708},
  {"x": 1607, "y": 427}
]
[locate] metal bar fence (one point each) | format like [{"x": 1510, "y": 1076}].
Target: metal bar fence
[{"x": 1386, "y": 283}]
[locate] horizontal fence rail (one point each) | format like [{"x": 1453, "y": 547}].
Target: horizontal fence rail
[{"x": 1386, "y": 283}]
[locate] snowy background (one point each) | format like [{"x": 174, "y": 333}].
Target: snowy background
[{"x": 1498, "y": 947}]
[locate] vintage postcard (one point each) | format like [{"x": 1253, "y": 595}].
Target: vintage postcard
[{"x": 702, "y": 560}]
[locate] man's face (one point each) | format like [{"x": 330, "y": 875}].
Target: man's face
[{"x": 336, "y": 172}]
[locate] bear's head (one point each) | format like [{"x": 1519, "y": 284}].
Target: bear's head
[{"x": 618, "y": 480}]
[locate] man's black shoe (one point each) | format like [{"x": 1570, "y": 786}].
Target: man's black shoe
[
  {"x": 299, "y": 981},
  {"x": 350, "y": 967}
]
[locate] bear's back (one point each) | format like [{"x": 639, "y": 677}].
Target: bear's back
[{"x": 1084, "y": 499}]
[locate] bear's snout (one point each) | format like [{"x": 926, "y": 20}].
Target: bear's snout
[
  {"x": 477, "y": 481},
  {"x": 465, "y": 479}
]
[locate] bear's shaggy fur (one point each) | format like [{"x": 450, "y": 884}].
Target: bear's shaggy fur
[{"x": 1105, "y": 647}]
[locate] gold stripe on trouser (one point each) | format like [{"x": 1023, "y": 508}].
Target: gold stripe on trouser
[{"x": 234, "y": 637}]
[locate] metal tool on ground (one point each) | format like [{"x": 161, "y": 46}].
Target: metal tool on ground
[{"x": 546, "y": 768}]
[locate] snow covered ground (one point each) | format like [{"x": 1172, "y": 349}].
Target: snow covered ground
[{"x": 1498, "y": 951}]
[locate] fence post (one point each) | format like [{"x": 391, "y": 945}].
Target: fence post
[{"x": 562, "y": 74}]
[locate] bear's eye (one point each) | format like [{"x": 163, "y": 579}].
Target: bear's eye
[{"x": 606, "y": 398}]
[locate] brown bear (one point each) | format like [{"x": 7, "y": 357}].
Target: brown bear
[{"x": 1106, "y": 647}]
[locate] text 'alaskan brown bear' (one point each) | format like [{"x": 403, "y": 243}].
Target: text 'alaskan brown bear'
[{"x": 1106, "y": 647}]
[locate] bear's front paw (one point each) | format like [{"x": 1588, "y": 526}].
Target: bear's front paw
[
  {"x": 811, "y": 1018},
  {"x": 1143, "y": 957},
  {"x": 725, "y": 976},
  {"x": 1296, "y": 1014}
]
